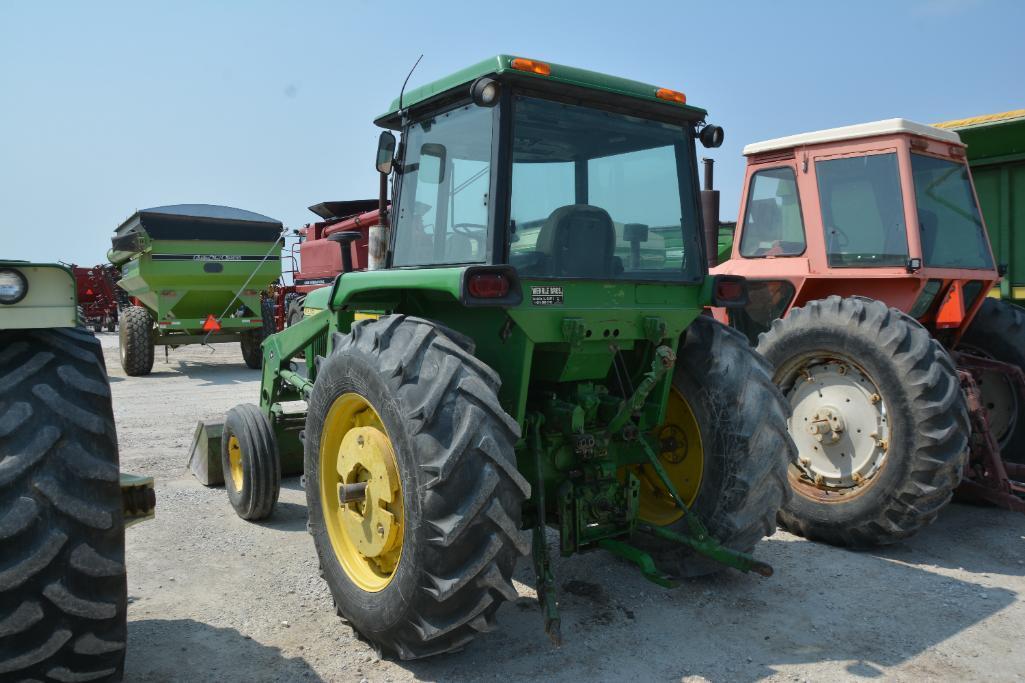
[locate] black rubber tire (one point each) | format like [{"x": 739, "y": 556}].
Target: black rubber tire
[
  {"x": 267, "y": 315},
  {"x": 294, "y": 311},
  {"x": 252, "y": 354},
  {"x": 743, "y": 422},
  {"x": 261, "y": 464},
  {"x": 462, "y": 493},
  {"x": 97, "y": 326},
  {"x": 63, "y": 598},
  {"x": 926, "y": 412},
  {"x": 136, "y": 341},
  {"x": 998, "y": 331},
  {"x": 111, "y": 323}
]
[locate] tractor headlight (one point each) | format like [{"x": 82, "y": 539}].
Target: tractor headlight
[{"x": 13, "y": 286}]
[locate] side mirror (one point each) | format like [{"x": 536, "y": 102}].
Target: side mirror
[
  {"x": 433, "y": 157},
  {"x": 711, "y": 136},
  {"x": 385, "y": 152}
]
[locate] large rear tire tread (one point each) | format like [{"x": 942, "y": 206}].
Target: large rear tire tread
[
  {"x": 928, "y": 419},
  {"x": 136, "y": 341},
  {"x": 999, "y": 331},
  {"x": 63, "y": 595},
  {"x": 743, "y": 421},
  {"x": 462, "y": 492},
  {"x": 261, "y": 466}
]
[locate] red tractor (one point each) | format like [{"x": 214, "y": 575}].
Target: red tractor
[
  {"x": 98, "y": 295},
  {"x": 320, "y": 255},
  {"x": 868, "y": 269}
]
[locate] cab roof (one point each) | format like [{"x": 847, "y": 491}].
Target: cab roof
[
  {"x": 502, "y": 64},
  {"x": 861, "y": 130}
]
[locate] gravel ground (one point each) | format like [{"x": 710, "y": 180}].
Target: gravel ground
[{"x": 214, "y": 598}]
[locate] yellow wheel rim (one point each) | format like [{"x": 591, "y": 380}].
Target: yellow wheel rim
[
  {"x": 680, "y": 452},
  {"x": 235, "y": 462},
  {"x": 366, "y": 536}
]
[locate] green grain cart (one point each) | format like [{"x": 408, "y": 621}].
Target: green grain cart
[
  {"x": 195, "y": 274},
  {"x": 996, "y": 155},
  {"x": 533, "y": 356}
]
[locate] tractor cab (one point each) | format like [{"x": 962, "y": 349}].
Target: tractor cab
[{"x": 884, "y": 210}]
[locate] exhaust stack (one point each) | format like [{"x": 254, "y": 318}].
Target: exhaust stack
[{"x": 710, "y": 215}]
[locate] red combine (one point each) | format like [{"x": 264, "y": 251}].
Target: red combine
[
  {"x": 317, "y": 258},
  {"x": 98, "y": 295}
]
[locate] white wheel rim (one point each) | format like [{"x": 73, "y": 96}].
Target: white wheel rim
[{"x": 839, "y": 424}]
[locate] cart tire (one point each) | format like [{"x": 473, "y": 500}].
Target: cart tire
[
  {"x": 136, "y": 341},
  {"x": 63, "y": 599},
  {"x": 250, "y": 462},
  {"x": 252, "y": 354}
]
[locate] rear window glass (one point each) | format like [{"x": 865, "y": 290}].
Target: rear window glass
[
  {"x": 862, "y": 211},
  {"x": 948, "y": 217}
]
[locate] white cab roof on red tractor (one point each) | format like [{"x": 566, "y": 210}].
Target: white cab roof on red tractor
[{"x": 861, "y": 130}]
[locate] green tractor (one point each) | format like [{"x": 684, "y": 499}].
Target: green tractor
[
  {"x": 532, "y": 355},
  {"x": 63, "y": 503}
]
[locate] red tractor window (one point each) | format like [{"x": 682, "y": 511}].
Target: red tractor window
[{"x": 772, "y": 222}]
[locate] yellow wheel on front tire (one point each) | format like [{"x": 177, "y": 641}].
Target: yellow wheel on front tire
[
  {"x": 678, "y": 443},
  {"x": 365, "y": 528},
  {"x": 235, "y": 462}
]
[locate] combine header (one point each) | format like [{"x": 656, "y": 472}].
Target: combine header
[{"x": 196, "y": 274}]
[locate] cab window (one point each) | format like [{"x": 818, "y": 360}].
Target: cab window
[
  {"x": 772, "y": 222},
  {"x": 862, "y": 211}
]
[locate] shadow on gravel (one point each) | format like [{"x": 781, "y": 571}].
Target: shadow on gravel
[
  {"x": 157, "y": 646},
  {"x": 976, "y": 538},
  {"x": 286, "y": 517},
  {"x": 858, "y": 614},
  {"x": 208, "y": 374}
]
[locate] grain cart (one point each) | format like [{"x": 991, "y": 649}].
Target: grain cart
[
  {"x": 868, "y": 267},
  {"x": 63, "y": 505},
  {"x": 996, "y": 155},
  {"x": 195, "y": 274},
  {"x": 533, "y": 356}
]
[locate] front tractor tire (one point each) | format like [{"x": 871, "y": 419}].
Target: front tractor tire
[
  {"x": 63, "y": 598},
  {"x": 998, "y": 333},
  {"x": 879, "y": 421},
  {"x": 405, "y": 427},
  {"x": 724, "y": 445},
  {"x": 136, "y": 341},
  {"x": 250, "y": 462}
]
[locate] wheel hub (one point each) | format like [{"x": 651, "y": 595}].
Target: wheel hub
[
  {"x": 366, "y": 457},
  {"x": 235, "y": 463},
  {"x": 839, "y": 424}
]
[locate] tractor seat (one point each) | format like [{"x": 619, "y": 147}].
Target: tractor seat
[{"x": 579, "y": 240}]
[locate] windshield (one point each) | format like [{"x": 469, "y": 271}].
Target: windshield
[
  {"x": 443, "y": 197},
  {"x": 948, "y": 218},
  {"x": 600, "y": 195},
  {"x": 862, "y": 211}
]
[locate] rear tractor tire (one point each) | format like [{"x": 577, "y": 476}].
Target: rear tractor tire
[
  {"x": 724, "y": 445},
  {"x": 412, "y": 486},
  {"x": 998, "y": 332},
  {"x": 136, "y": 341},
  {"x": 252, "y": 354},
  {"x": 250, "y": 462},
  {"x": 63, "y": 598},
  {"x": 879, "y": 421}
]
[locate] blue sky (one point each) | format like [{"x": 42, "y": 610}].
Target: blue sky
[{"x": 107, "y": 107}]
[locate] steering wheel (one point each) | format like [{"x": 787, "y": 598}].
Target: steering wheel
[{"x": 465, "y": 229}]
